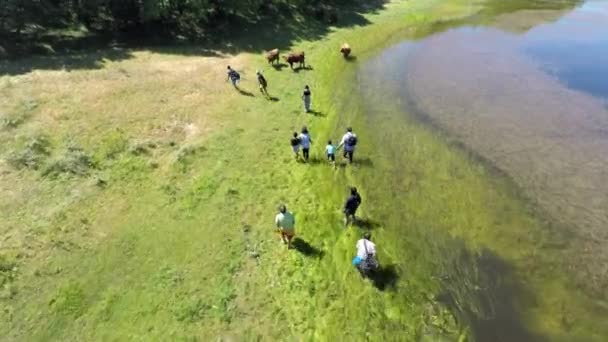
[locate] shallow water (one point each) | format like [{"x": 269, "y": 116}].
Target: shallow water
[{"x": 526, "y": 93}]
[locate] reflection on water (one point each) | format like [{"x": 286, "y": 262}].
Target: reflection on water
[{"x": 528, "y": 95}]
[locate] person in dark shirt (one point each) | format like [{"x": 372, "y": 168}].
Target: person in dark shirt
[
  {"x": 262, "y": 82},
  {"x": 295, "y": 144},
  {"x": 350, "y": 207},
  {"x": 306, "y": 96},
  {"x": 234, "y": 77}
]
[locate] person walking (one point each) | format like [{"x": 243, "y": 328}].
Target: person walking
[
  {"x": 262, "y": 83},
  {"x": 306, "y": 97},
  {"x": 366, "y": 261},
  {"x": 285, "y": 222},
  {"x": 351, "y": 205},
  {"x": 295, "y": 145},
  {"x": 349, "y": 141},
  {"x": 305, "y": 142},
  {"x": 234, "y": 77},
  {"x": 330, "y": 152}
]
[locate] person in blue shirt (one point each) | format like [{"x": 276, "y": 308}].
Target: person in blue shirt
[{"x": 330, "y": 152}]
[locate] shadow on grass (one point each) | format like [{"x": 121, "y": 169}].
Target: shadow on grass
[
  {"x": 481, "y": 290},
  {"x": 279, "y": 66},
  {"x": 317, "y": 113},
  {"x": 368, "y": 224},
  {"x": 385, "y": 278},
  {"x": 306, "y": 248},
  {"x": 306, "y": 68},
  {"x": 365, "y": 162},
  {"x": 350, "y": 58},
  {"x": 244, "y": 92},
  {"x": 238, "y": 34},
  {"x": 273, "y": 99}
]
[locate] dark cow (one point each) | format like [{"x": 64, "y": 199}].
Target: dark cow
[
  {"x": 295, "y": 57},
  {"x": 345, "y": 50},
  {"x": 272, "y": 56}
]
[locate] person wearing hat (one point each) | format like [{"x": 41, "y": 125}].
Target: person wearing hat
[
  {"x": 285, "y": 222},
  {"x": 262, "y": 82},
  {"x": 349, "y": 141}
]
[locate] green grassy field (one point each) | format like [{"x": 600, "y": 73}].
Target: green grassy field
[{"x": 139, "y": 192}]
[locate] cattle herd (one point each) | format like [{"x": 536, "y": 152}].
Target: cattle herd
[{"x": 299, "y": 57}]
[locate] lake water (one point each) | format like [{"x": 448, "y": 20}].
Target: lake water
[{"x": 526, "y": 92}]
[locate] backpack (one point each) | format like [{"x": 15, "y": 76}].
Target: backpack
[
  {"x": 352, "y": 140},
  {"x": 370, "y": 263}
]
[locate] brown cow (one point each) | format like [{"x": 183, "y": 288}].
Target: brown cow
[
  {"x": 272, "y": 56},
  {"x": 345, "y": 50},
  {"x": 295, "y": 57}
]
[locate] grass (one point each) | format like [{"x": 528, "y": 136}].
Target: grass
[{"x": 155, "y": 221}]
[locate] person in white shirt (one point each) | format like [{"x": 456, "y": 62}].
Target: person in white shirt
[
  {"x": 366, "y": 254},
  {"x": 305, "y": 142},
  {"x": 285, "y": 222},
  {"x": 349, "y": 141}
]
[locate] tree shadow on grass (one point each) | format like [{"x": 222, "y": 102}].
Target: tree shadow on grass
[
  {"x": 240, "y": 34},
  {"x": 306, "y": 249}
]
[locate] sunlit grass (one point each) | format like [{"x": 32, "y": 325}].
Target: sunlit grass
[{"x": 168, "y": 233}]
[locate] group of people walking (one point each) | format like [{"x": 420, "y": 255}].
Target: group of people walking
[
  {"x": 303, "y": 141},
  {"x": 365, "y": 260}
]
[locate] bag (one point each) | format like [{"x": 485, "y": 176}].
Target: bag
[
  {"x": 370, "y": 263},
  {"x": 352, "y": 140}
]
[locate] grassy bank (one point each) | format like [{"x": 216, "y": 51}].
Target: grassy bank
[{"x": 141, "y": 188}]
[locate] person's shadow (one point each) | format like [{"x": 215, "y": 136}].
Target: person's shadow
[
  {"x": 368, "y": 224},
  {"x": 316, "y": 113},
  {"x": 385, "y": 277},
  {"x": 306, "y": 248},
  {"x": 244, "y": 92}
]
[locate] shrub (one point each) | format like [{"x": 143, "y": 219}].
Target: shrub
[
  {"x": 32, "y": 156},
  {"x": 73, "y": 161}
]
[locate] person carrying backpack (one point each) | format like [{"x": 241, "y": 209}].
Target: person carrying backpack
[
  {"x": 351, "y": 205},
  {"x": 234, "y": 77},
  {"x": 349, "y": 141},
  {"x": 365, "y": 261},
  {"x": 262, "y": 82}
]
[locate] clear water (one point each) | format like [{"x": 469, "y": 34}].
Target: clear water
[{"x": 526, "y": 92}]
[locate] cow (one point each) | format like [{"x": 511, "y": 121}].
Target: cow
[
  {"x": 345, "y": 50},
  {"x": 272, "y": 56},
  {"x": 295, "y": 57}
]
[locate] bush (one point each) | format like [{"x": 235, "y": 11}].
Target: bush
[
  {"x": 73, "y": 161},
  {"x": 32, "y": 156}
]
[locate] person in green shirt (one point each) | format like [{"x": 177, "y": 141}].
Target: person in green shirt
[{"x": 285, "y": 222}]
